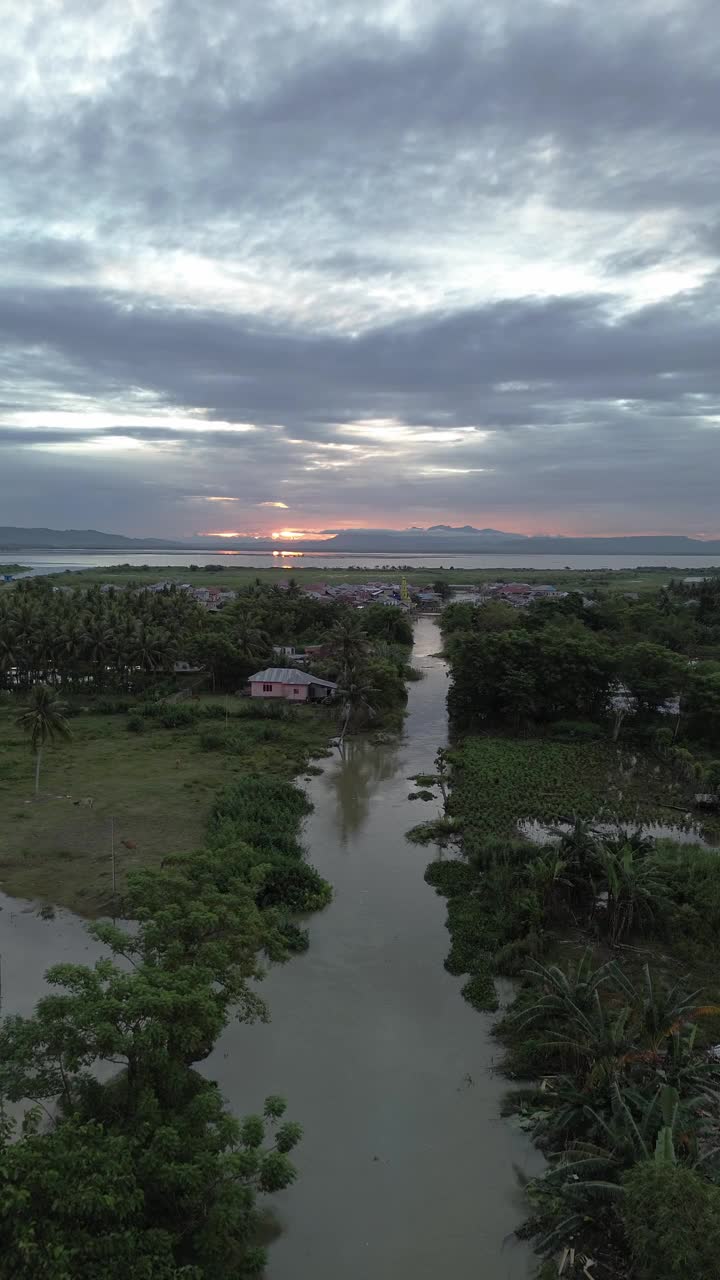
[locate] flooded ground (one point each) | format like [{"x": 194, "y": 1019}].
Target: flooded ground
[
  {"x": 690, "y": 833},
  {"x": 406, "y": 1169}
]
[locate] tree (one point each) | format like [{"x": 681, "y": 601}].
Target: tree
[
  {"x": 652, "y": 674},
  {"x": 513, "y": 675},
  {"x": 348, "y": 645},
  {"x": 44, "y": 720},
  {"x": 251, "y": 640},
  {"x": 391, "y": 625},
  {"x": 182, "y": 1176}
]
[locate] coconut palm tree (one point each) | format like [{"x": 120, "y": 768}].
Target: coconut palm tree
[
  {"x": 251, "y": 639},
  {"x": 44, "y": 720},
  {"x": 356, "y": 692},
  {"x": 348, "y": 645}
]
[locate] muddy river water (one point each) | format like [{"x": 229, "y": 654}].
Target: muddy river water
[{"x": 406, "y": 1170}]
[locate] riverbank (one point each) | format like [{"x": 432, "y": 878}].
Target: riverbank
[{"x": 612, "y": 937}]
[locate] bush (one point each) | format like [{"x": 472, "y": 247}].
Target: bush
[
  {"x": 112, "y": 706},
  {"x": 480, "y": 991},
  {"x": 153, "y": 709},
  {"x": 135, "y": 724},
  {"x": 672, "y": 1219},
  {"x": 213, "y": 711},
  {"x": 178, "y": 717},
  {"x": 295, "y": 886},
  {"x": 267, "y": 733},
  {"x": 264, "y": 812},
  {"x": 450, "y": 877},
  {"x": 216, "y": 740},
  {"x": 467, "y": 922}
]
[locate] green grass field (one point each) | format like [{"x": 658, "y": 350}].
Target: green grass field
[
  {"x": 640, "y": 580},
  {"x": 157, "y": 785}
]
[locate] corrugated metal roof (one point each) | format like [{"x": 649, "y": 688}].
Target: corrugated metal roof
[{"x": 288, "y": 675}]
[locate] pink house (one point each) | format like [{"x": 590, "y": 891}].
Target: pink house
[{"x": 288, "y": 682}]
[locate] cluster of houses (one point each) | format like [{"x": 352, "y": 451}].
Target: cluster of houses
[
  {"x": 518, "y": 594},
  {"x": 211, "y": 598},
  {"x": 359, "y": 594}
]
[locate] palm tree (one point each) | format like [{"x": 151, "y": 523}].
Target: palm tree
[
  {"x": 251, "y": 640},
  {"x": 44, "y": 719},
  {"x": 356, "y": 693},
  {"x": 348, "y": 645}
]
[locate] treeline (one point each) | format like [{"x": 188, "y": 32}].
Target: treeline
[
  {"x": 86, "y": 639},
  {"x": 128, "y": 1162},
  {"x": 609, "y": 660}
]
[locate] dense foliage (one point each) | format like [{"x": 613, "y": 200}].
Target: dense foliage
[
  {"x": 156, "y": 1175},
  {"x": 136, "y": 1166},
  {"x": 607, "y": 659},
  {"x": 614, "y": 705},
  {"x": 128, "y": 642}
]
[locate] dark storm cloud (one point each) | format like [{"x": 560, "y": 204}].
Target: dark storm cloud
[
  {"x": 304, "y": 217},
  {"x": 229, "y": 365}
]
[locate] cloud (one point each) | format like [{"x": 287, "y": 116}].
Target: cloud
[{"x": 396, "y": 263}]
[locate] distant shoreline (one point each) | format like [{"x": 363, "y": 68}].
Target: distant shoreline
[{"x": 291, "y": 552}]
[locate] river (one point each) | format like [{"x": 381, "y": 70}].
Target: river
[{"x": 406, "y": 1168}]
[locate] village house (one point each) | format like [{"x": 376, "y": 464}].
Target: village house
[{"x": 290, "y": 683}]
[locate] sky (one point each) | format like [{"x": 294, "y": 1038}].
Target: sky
[{"x": 320, "y": 264}]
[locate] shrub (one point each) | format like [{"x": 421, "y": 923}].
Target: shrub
[
  {"x": 467, "y": 922},
  {"x": 153, "y": 709},
  {"x": 213, "y": 711},
  {"x": 112, "y": 706},
  {"x": 295, "y": 886},
  {"x": 479, "y": 991},
  {"x": 450, "y": 877},
  {"x": 264, "y": 812},
  {"x": 672, "y": 1219},
  {"x": 178, "y": 717},
  {"x": 267, "y": 733},
  {"x": 431, "y": 832},
  {"x": 135, "y": 724},
  {"x": 216, "y": 740}
]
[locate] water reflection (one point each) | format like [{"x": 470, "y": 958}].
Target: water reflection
[
  {"x": 542, "y": 833},
  {"x": 353, "y": 779}
]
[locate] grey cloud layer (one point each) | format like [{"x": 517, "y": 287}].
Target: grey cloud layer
[{"x": 304, "y": 216}]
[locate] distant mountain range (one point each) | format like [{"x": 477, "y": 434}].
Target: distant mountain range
[
  {"x": 13, "y": 539},
  {"x": 439, "y": 539}
]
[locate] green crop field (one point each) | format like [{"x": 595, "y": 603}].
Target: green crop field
[{"x": 157, "y": 784}]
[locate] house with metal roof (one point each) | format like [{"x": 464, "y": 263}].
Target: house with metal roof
[{"x": 290, "y": 683}]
